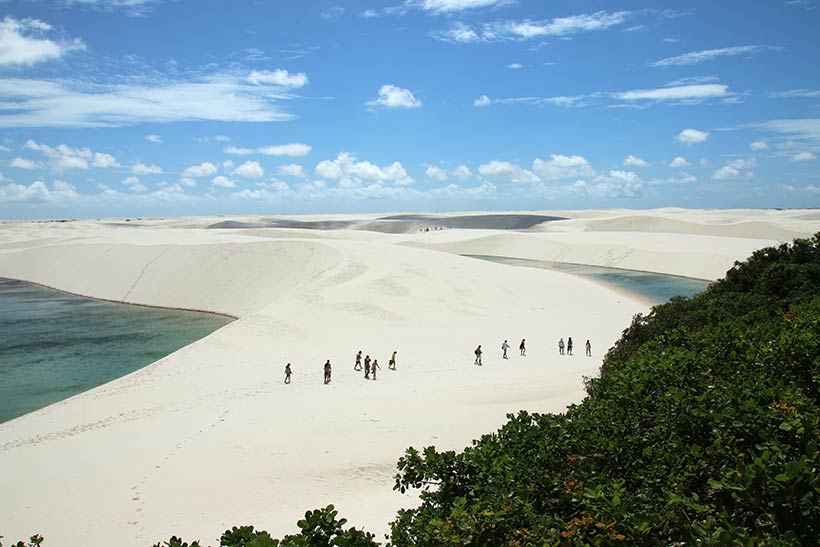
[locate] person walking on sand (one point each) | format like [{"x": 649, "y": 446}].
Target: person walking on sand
[
  {"x": 358, "y": 365},
  {"x": 504, "y": 347},
  {"x": 367, "y": 367},
  {"x": 522, "y": 347},
  {"x": 288, "y": 373},
  {"x": 374, "y": 367},
  {"x": 561, "y": 346},
  {"x": 478, "y": 355},
  {"x": 391, "y": 364},
  {"x": 328, "y": 371},
  {"x": 589, "y": 349},
  {"x": 569, "y": 345}
]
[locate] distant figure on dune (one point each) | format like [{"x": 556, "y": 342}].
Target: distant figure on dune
[
  {"x": 391, "y": 364},
  {"x": 367, "y": 367},
  {"x": 504, "y": 347},
  {"x": 589, "y": 349},
  {"x": 569, "y": 345},
  {"x": 288, "y": 373},
  {"x": 358, "y": 365},
  {"x": 561, "y": 346},
  {"x": 522, "y": 347},
  {"x": 328, "y": 371},
  {"x": 478, "y": 355},
  {"x": 374, "y": 367}
]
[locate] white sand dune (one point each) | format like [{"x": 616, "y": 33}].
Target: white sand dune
[{"x": 210, "y": 437}]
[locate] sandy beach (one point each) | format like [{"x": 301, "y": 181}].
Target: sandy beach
[{"x": 210, "y": 437}]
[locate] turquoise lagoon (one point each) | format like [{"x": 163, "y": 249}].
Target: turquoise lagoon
[
  {"x": 54, "y": 345},
  {"x": 657, "y": 288}
]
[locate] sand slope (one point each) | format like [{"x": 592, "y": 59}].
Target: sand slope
[{"x": 209, "y": 437}]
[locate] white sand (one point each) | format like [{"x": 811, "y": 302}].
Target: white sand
[{"x": 210, "y": 437}]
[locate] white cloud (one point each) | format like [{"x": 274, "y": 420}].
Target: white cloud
[
  {"x": 186, "y": 181},
  {"x": 391, "y": 96},
  {"x": 529, "y": 29},
  {"x": 134, "y": 8},
  {"x": 204, "y": 169},
  {"x": 633, "y": 161},
  {"x": 482, "y": 101},
  {"x": 459, "y": 33},
  {"x": 679, "y": 162},
  {"x": 22, "y": 42},
  {"x": 680, "y": 92},
  {"x": 803, "y": 156},
  {"x": 681, "y": 178},
  {"x": 23, "y": 163},
  {"x": 223, "y": 182},
  {"x": 797, "y": 128},
  {"x": 222, "y": 97},
  {"x": 515, "y": 66},
  {"x": 448, "y": 6},
  {"x": 250, "y": 170},
  {"x": 347, "y": 169},
  {"x": 760, "y": 144},
  {"x": 294, "y": 149},
  {"x": 278, "y": 77},
  {"x": 462, "y": 172},
  {"x": 142, "y": 169},
  {"x": 227, "y": 164},
  {"x": 736, "y": 169},
  {"x": 436, "y": 173},
  {"x": 332, "y": 12},
  {"x": 37, "y": 192},
  {"x": 128, "y": 181},
  {"x": 801, "y": 93},
  {"x": 562, "y": 167},
  {"x": 64, "y": 157},
  {"x": 692, "y": 136},
  {"x": 105, "y": 160},
  {"x": 216, "y": 138},
  {"x": 139, "y": 187},
  {"x": 153, "y": 138},
  {"x": 507, "y": 171},
  {"x": 697, "y": 57},
  {"x": 675, "y": 93},
  {"x": 292, "y": 170},
  {"x": 71, "y": 162}
]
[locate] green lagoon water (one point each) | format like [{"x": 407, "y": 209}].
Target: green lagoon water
[
  {"x": 657, "y": 288},
  {"x": 54, "y": 345}
]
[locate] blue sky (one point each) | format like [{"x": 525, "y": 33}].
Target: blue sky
[{"x": 176, "y": 107}]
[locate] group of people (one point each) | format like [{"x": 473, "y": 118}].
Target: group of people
[
  {"x": 371, "y": 367},
  {"x": 522, "y": 347},
  {"x": 569, "y": 344}
]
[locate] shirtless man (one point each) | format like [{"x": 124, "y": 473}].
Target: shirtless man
[
  {"x": 374, "y": 367},
  {"x": 358, "y": 365},
  {"x": 367, "y": 367},
  {"x": 288, "y": 373},
  {"x": 478, "y": 355}
]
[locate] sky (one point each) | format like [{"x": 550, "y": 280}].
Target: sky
[{"x": 113, "y": 108}]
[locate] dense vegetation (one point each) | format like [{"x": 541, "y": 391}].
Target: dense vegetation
[{"x": 703, "y": 429}]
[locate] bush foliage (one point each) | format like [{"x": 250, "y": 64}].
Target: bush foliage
[{"x": 702, "y": 429}]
